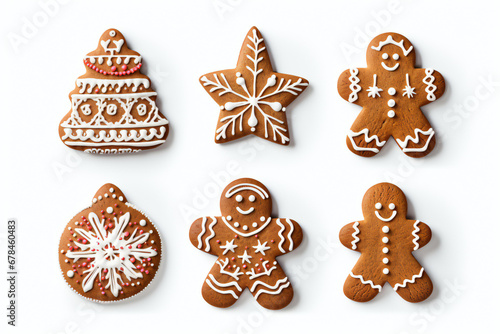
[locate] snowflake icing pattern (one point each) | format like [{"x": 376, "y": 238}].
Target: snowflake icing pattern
[
  {"x": 254, "y": 99},
  {"x": 109, "y": 252}
]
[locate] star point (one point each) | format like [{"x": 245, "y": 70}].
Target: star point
[
  {"x": 245, "y": 257},
  {"x": 261, "y": 247},
  {"x": 229, "y": 246}
]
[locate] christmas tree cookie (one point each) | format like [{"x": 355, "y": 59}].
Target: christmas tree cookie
[{"x": 113, "y": 107}]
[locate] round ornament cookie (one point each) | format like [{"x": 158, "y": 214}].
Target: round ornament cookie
[
  {"x": 391, "y": 91},
  {"x": 113, "y": 107},
  {"x": 246, "y": 240},
  {"x": 110, "y": 251},
  {"x": 252, "y": 97},
  {"x": 386, "y": 239}
]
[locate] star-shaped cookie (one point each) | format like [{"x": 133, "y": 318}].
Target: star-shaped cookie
[{"x": 252, "y": 97}]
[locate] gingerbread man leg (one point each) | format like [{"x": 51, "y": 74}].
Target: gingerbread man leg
[
  {"x": 222, "y": 287},
  {"x": 412, "y": 283},
  {"x": 362, "y": 284},
  {"x": 367, "y": 135},
  {"x": 415, "y": 135},
  {"x": 274, "y": 291}
]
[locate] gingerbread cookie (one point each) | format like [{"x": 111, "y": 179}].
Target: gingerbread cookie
[
  {"x": 110, "y": 251},
  {"x": 252, "y": 97},
  {"x": 386, "y": 240},
  {"x": 113, "y": 107},
  {"x": 247, "y": 241},
  {"x": 391, "y": 91}
]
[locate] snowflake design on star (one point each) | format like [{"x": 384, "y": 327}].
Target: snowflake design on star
[
  {"x": 110, "y": 253},
  {"x": 253, "y": 98}
]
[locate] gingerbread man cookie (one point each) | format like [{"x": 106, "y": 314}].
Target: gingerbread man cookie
[
  {"x": 113, "y": 107},
  {"x": 386, "y": 240},
  {"x": 247, "y": 241},
  {"x": 253, "y": 97},
  {"x": 391, "y": 91},
  {"x": 110, "y": 251}
]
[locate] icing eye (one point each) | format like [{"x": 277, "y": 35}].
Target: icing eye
[
  {"x": 112, "y": 33},
  {"x": 392, "y": 206},
  {"x": 385, "y": 56},
  {"x": 239, "y": 198},
  {"x": 378, "y": 206},
  {"x": 251, "y": 198},
  {"x": 395, "y": 56}
]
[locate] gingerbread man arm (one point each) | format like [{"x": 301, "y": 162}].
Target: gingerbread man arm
[
  {"x": 349, "y": 86},
  {"x": 433, "y": 84},
  {"x": 349, "y": 236},
  {"x": 289, "y": 235},
  {"x": 421, "y": 234},
  {"x": 205, "y": 232}
]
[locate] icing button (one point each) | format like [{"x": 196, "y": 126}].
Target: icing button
[
  {"x": 391, "y": 103},
  {"x": 385, "y": 260},
  {"x": 385, "y": 229},
  {"x": 385, "y": 250},
  {"x": 385, "y": 271},
  {"x": 391, "y": 114},
  {"x": 385, "y": 240},
  {"x": 391, "y": 91}
]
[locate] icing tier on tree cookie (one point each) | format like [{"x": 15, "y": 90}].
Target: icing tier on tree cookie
[
  {"x": 113, "y": 107},
  {"x": 252, "y": 98},
  {"x": 386, "y": 240},
  {"x": 110, "y": 251},
  {"x": 391, "y": 91},
  {"x": 247, "y": 241}
]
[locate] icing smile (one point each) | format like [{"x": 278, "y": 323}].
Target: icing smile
[
  {"x": 390, "y": 69},
  {"x": 247, "y": 212},
  {"x": 386, "y": 219}
]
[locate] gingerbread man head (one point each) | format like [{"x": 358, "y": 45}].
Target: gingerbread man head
[
  {"x": 384, "y": 202},
  {"x": 389, "y": 52},
  {"x": 246, "y": 205}
]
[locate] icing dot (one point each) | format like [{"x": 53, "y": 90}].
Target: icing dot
[
  {"x": 106, "y": 195},
  {"x": 275, "y": 262},
  {"x": 385, "y": 229},
  {"x": 262, "y": 218},
  {"x": 62, "y": 251},
  {"x": 255, "y": 224},
  {"x": 251, "y": 198},
  {"x": 391, "y": 103},
  {"x": 391, "y": 91},
  {"x": 392, "y": 206},
  {"x": 142, "y": 222},
  {"x": 283, "y": 109},
  {"x": 236, "y": 224},
  {"x": 245, "y": 227},
  {"x": 385, "y": 56},
  {"x": 395, "y": 56},
  {"x": 378, "y": 206},
  {"x": 120, "y": 198},
  {"x": 111, "y": 190},
  {"x": 238, "y": 74},
  {"x": 94, "y": 200},
  {"x": 109, "y": 209},
  {"x": 112, "y": 33},
  {"x": 385, "y": 250},
  {"x": 114, "y": 196},
  {"x": 70, "y": 273},
  {"x": 221, "y": 107},
  {"x": 385, "y": 240},
  {"x": 385, "y": 271},
  {"x": 99, "y": 198},
  {"x": 391, "y": 114},
  {"x": 239, "y": 198},
  {"x": 229, "y": 218},
  {"x": 252, "y": 129},
  {"x": 385, "y": 260}
]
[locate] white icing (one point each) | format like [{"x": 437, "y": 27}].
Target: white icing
[
  {"x": 203, "y": 229},
  {"x": 385, "y": 271},
  {"x": 391, "y": 114},
  {"x": 378, "y": 206},
  {"x": 243, "y": 212},
  {"x": 385, "y": 260},
  {"x": 247, "y": 186},
  {"x": 379, "y": 287},
  {"x": 392, "y": 206},
  {"x": 109, "y": 209},
  {"x": 289, "y": 237},
  {"x": 390, "y": 69},
  {"x": 385, "y": 229},
  {"x": 391, "y": 103},
  {"x": 354, "y": 235},
  {"x": 70, "y": 273},
  {"x": 245, "y": 257},
  {"x": 224, "y": 292},
  {"x": 105, "y": 84},
  {"x": 391, "y": 91},
  {"x": 385, "y": 240},
  {"x": 274, "y": 289},
  {"x": 245, "y": 227},
  {"x": 416, "y": 140},
  {"x": 368, "y": 139},
  {"x": 373, "y": 91},
  {"x": 236, "y": 224},
  {"x": 414, "y": 277},
  {"x": 223, "y": 264},
  {"x": 385, "y": 250},
  {"x": 142, "y": 222},
  {"x": 113, "y": 137},
  {"x": 385, "y": 56},
  {"x": 408, "y": 90},
  {"x": 395, "y": 56},
  {"x": 249, "y": 233},
  {"x": 390, "y": 40},
  {"x": 354, "y": 87},
  {"x": 239, "y": 198},
  {"x": 229, "y": 246},
  {"x": 224, "y": 285},
  {"x": 428, "y": 80},
  {"x": 254, "y": 224},
  {"x": 261, "y": 248},
  {"x": 251, "y": 198},
  {"x": 416, "y": 229},
  {"x": 386, "y": 219}
]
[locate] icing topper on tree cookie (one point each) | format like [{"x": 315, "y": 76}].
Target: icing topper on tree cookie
[
  {"x": 110, "y": 251},
  {"x": 252, "y": 97},
  {"x": 247, "y": 241},
  {"x": 391, "y": 91},
  {"x": 386, "y": 240},
  {"x": 113, "y": 107}
]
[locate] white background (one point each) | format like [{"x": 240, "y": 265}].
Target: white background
[{"x": 316, "y": 180}]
